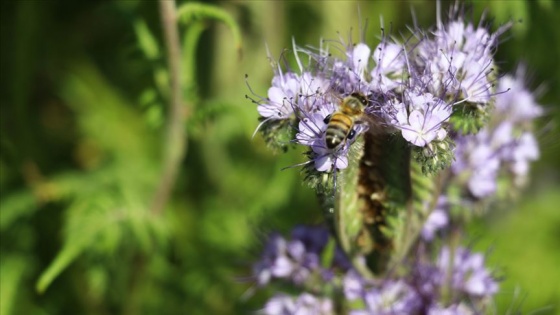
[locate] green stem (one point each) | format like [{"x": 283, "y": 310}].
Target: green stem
[
  {"x": 175, "y": 146},
  {"x": 453, "y": 243},
  {"x": 176, "y": 138},
  {"x": 193, "y": 11},
  {"x": 190, "y": 44}
]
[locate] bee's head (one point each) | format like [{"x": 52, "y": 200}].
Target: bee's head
[{"x": 360, "y": 97}]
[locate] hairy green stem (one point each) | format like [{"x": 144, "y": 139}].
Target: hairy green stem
[
  {"x": 176, "y": 138},
  {"x": 193, "y": 11}
]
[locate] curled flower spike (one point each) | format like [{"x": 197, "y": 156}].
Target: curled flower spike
[{"x": 507, "y": 143}]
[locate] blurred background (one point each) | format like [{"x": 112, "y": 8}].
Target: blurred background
[{"x": 83, "y": 103}]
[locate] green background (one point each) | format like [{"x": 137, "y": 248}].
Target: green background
[{"x": 83, "y": 106}]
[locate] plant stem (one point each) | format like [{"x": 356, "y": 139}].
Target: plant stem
[{"x": 176, "y": 138}]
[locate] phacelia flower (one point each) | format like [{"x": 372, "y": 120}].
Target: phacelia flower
[
  {"x": 422, "y": 120},
  {"x": 456, "y": 309},
  {"x": 507, "y": 143},
  {"x": 437, "y": 220},
  {"x": 282, "y": 96},
  {"x": 389, "y": 67},
  {"x": 305, "y": 304},
  {"x": 287, "y": 260},
  {"x": 467, "y": 272},
  {"x": 393, "y": 297},
  {"x": 295, "y": 260}
]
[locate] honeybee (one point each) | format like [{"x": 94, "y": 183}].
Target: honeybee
[{"x": 340, "y": 124}]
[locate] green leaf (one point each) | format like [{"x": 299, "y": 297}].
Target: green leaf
[
  {"x": 16, "y": 205},
  {"x": 86, "y": 221},
  {"x": 148, "y": 43},
  {"x": 12, "y": 271},
  {"x": 328, "y": 253}
]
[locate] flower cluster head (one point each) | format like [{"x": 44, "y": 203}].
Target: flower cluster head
[
  {"x": 305, "y": 304},
  {"x": 460, "y": 273},
  {"x": 299, "y": 259},
  {"x": 423, "y": 131},
  {"x": 426, "y": 88},
  {"x": 506, "y": 145}
]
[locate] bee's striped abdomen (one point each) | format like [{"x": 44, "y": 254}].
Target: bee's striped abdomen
[{"x": 338, "y": 129}]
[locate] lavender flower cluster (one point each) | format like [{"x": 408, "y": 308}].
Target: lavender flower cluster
[
  {"x": 412, "y": 88},
  {"x": 468, "y": 129},
  {"x": 456, "y": 283}
]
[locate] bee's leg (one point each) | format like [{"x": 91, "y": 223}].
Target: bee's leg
[
  {"x": 351, "y": 134},
  {"x": 327, "y": 119}
]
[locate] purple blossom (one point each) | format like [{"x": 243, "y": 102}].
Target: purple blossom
[
  {"x": 467, "y": 272},
  {"x": 281, "y": 96},
  {"x": 393, "y": 297},
  {"x": 389, "y": 68},
  {"x": 422, "y": 120},
  {"x": 312, "y": 94},
  {"x": 459, "y": 59},
  {"x": 312, "y": 133},
  {"x": 349, "y": 75},
  {"x": 525, "y": 150},
  {"x": 457, "y": 309},
  {"x": 437, "y": 220},
  {"x": 516, "y": 102},
  {"x": 353, "y": 285},
  {"x": 478, "y": 156},
  {"x": 305, "y": 304},
  {"x": 295, "y": 260},
  {"x": 504, "y": 144},
  {"x": 285, "y": 260}
]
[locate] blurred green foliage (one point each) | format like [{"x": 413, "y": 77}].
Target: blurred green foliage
[{"x": 84, "y": 96}]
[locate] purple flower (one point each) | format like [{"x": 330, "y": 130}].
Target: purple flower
[
  {"x": 312, "y": 128},
  {"x": 422, "y": 120},
  {"x": 349, "y": 75},
  {"x": 311, "y": 133},
  {"x": 457, "y": 309},
  {"x": 458, "y": 61},
  {"x": 507, "y": 143},
  {"x": 517, "y": 103},
  {"x": 525, "y": 150},
  {"x": 437, "y": 220},
  {"x": 478, "y": 156},
  {"x": 467, "y": 272},
  {"x": 312, "y": 95},
  {"x": 389, "y": 68},
  {"x": 393, "y": 297},
  {"x": 281, "y": 96},
  {"x": 305, "y": 304},
  {"x": 295, "y": 260},
  {"x": 353, "y": 285},
  {"x": 285, "y": 260}
]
